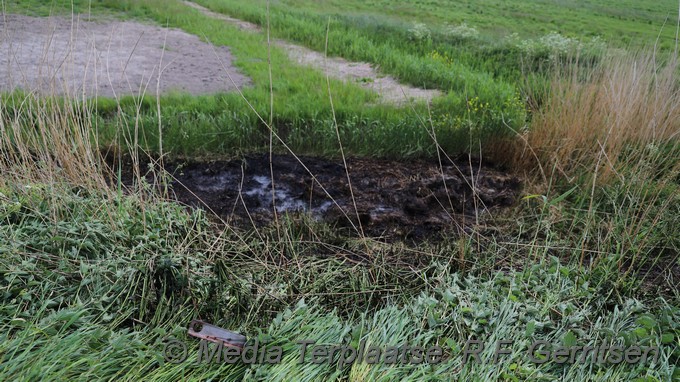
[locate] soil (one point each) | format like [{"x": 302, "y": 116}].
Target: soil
[
  {"x": 394, "y": 200},
  {"x": 361, "y": 73},
  {"x": 57, "y": 55}
]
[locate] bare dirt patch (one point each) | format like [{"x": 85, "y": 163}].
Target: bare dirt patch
[
  {"x": 413, "y": 200},
  {"x": 58, "y": 55},
  {"x": 362, "y": 73}
]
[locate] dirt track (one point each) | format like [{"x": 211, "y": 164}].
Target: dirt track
[
  {"x": 57, "y": 56},
  {"x": 361, "y": 73}
]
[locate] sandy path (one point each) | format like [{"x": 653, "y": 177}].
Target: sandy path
[
  {"x": 388, "y": 87},
  {"x": 57, "y": 56}
]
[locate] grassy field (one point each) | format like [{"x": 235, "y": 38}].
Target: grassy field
[
  {"x": 618, "y": 22},
  {"x": 96, "y": 277}
]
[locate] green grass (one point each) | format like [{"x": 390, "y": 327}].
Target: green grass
[
  {"x": 80, "y": 302},
  {"x": 621, "y": 23}
]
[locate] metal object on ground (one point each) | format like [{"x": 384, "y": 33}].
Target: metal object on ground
[{"x": 206, "y": 331}]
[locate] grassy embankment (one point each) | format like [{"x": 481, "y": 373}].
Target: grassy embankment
[{"x": 93, "y": 279}]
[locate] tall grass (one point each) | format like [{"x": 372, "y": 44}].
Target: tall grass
[
  {"x": 48, "y": 139},
  {"x": 608, "y": 140},
  {"x": 615, "y": 118}
]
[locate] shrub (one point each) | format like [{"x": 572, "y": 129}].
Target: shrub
[
  {"x": 554, "y": 46},
  {"x": 420, "y": 32},
  {"x": 462, "y": 32}
]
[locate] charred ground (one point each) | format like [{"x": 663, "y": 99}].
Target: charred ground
[{"x": 388, "y": 199}]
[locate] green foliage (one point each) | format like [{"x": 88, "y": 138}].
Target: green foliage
[
  {"x": 66, "y": 316},
  {"x": 116, "y": 261}
]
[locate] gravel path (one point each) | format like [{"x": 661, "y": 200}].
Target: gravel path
[{"x": 58, "y": 55}]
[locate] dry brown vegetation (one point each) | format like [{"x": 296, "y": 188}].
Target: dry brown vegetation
[{"x": 620, "y": 114}]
